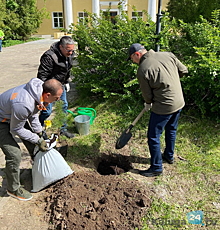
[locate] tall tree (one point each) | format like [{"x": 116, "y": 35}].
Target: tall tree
[
  {"x": 23, "y": 18},
  {"x": 2, "y": 12},
  {"x": 190, "y": 10}
]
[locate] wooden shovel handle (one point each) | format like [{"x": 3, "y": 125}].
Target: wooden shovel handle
[{"x": 138, "y": 117}]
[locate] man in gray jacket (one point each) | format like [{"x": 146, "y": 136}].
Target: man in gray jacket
[
  {"x": 158, "y": 76},
  {"x": 19, "y": 109}
]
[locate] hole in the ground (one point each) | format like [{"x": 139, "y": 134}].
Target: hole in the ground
[{"x": 113, "y": 165}]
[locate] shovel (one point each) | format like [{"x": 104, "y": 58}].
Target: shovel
[{"x": 126, "y": 135}]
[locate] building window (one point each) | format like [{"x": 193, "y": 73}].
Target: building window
[
  {"x": 57, "y": 20},
  {"x": 82, "y": 16},
  {"x": 111, "y": 14},
  {"x": 136, "y": 15}
]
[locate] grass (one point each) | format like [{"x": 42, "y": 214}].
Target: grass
[
  {"x": 187, "y": 186},
  {"x": 7, "y": 43}
]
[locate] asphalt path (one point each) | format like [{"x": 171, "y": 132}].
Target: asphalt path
[{"x": 19, "y": 63}]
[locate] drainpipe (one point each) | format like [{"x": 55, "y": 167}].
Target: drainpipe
[{"x": 158, "y": 25}]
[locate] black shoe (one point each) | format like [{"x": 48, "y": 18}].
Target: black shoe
[
  {"x": 149, "y": 173},
  {"x": 67, "y": 134},
  {"x": 167, "y": 160}
]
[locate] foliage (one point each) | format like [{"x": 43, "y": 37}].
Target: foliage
[
  {"x": 103, "y": 68},
  {"x": 2, "y": 12},
  {"x": 189, "y": 11},
  {"x": 199, "y": 44},
  {"x": 103, "y": 48},
  {"x": 22, "y": 18}
]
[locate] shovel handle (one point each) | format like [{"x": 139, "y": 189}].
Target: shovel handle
[{"x": 138, "y": 117}]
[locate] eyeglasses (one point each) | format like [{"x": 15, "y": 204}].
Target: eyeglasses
[
  {"x": 69, "y": 51},
  {"x": 132, "y": 56}
]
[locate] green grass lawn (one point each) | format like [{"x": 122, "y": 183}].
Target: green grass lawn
[{"x": 7, "y": 43}]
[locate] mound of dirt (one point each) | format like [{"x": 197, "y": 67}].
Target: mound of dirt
[{"x": 88, "y": 200}]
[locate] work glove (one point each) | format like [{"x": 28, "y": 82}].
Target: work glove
[
  {"x": 70, "y": 79},
  {"x": 67, "y": 87},
  {"x": 147, "y": 106},
  {"x": 43, "y": 134},
  {"x": 42, "y": 144}
]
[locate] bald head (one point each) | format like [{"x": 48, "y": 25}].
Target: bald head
[{"x": 52, "y": 86}]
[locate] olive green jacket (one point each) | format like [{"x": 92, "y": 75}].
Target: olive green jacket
[{"x": 158, "y": 75}]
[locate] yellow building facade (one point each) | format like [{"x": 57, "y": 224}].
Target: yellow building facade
[{"x": 63, "y": 13}]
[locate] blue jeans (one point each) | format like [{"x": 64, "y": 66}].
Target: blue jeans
[
  {"x": 0, "y": 45},
  {"x": 157, "y": 124},
  {"x": 46, "y": 113}
]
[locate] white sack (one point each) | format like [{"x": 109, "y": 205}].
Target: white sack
[{"x": 48, "y": 167}]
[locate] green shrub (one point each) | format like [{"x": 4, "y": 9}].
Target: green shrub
[
  {"x": 199, "y": 44},
  {"x": 103, "y": 67}
]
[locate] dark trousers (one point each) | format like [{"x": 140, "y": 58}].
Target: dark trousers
[
  {"x": 12, "y": 156},
  {"x": 157, "y": 124}
]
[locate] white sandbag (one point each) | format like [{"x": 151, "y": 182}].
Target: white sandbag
[{"x": 48, "y": 167}]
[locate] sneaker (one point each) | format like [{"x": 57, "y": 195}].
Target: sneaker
[
  {"x": 149, "y": 173},
  {"x": 167, "y": 160},
  {"x": 67, "y": 134},
  {"x": 20, "y": 194}
]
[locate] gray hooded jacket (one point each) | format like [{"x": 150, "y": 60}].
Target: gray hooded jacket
[{"x": 19, "y": 105}]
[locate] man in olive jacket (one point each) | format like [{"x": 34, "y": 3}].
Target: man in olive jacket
[
  {"x": 56, "y": 63},
  {"x": 158, "y": 76}
]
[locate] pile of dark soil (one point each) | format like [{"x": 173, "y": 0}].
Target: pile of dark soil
[{"x": 88, "y": 200}]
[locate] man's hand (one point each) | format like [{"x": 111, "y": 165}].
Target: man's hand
[
  {"x": 67, "y": 87},
  {"x": 147, "y": 106},
  {"x": 43, "y": 134},
  {"x": 42, "y": 144}
]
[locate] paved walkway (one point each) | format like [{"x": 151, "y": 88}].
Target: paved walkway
[{"x": 18, "y": 64}]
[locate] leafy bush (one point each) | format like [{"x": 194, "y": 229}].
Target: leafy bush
[
  {"x": 103, "y": 45},
  {"x": 103, "y": 67},
  {"x": 199, "y": 44},
  {"x": 189, "y": 11}
]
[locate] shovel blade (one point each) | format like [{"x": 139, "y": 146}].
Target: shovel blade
[{"x": 123, "y": 140}]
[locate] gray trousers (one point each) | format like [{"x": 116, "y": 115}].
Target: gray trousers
[{"x": 12, "y": 156}]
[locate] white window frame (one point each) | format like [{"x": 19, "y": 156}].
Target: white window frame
[
  {"x": 59, "y": 23},
  {"x": 134, "y": 17},
  {"x": 82, "y": 19},
  {"x": 114, "y": 10}
]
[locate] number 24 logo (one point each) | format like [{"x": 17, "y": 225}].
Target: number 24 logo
[{"x": 194, "y": 217}]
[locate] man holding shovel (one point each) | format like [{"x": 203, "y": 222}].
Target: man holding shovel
[
  {"x": 19, "y": 109},
  {"x": 158, "y": 76}
]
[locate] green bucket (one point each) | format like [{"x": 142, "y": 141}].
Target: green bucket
[{"x": 85, "y": 111}]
